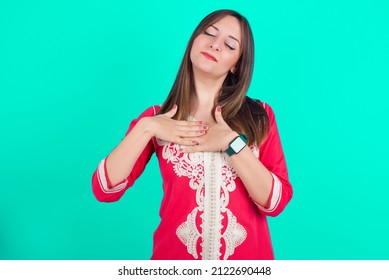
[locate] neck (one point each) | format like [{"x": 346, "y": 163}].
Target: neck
[{"x": 207, "y": 91}]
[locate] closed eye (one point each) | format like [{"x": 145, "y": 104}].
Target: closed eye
[
  {"x": 209, "y": 34},
  {"x": 228, "y": 46}
]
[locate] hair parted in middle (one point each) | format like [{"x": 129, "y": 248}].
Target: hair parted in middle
[{"x": 241, "y": 113}]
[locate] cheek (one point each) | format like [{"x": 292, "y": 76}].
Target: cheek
[
  {"x": 194, "y": 48},
  {"x": 192, "y": 53},
  {"x": 201, "y": 41},
  {"x": 232, "y": 60},
  {"x": 197, "y": 42}
]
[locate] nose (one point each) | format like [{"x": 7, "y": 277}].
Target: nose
[{"x": 215, "y": 45}]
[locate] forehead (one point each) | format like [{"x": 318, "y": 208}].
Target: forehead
[{"x": 229, "y": 25}]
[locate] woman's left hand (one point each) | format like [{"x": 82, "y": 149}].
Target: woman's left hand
[{"x": 216, "y": 139}]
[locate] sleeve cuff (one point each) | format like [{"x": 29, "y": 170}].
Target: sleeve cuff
[
  {"x": 103, "y": 180},
  {"x": 275, "y": 195}
]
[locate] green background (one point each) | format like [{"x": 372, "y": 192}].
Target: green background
[{"x": 73, "y": 74}]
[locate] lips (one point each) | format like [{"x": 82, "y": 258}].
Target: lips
[{"x": 209, "y": 56}]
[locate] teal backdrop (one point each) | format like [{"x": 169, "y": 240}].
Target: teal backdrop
[{"x": 73, "y": 74}]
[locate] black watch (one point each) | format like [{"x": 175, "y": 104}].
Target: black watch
[{"x": 236, "y": 145}]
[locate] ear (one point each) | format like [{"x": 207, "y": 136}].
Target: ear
[{"x": 233, "y": 70}]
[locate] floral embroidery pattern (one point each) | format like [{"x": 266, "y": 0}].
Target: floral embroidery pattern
[{"x": 212, "y": 177}]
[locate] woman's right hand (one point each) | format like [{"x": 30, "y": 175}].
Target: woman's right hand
[{"x": 179, "y": 132}]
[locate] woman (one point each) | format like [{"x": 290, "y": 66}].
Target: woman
[{"x": 219, "y": 152}]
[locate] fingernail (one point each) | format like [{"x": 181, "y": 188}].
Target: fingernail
[
  {"x": 219, "y": 109},
  {"x": 204, "y": 127},
  {"x": 200, "y": 122},
  {"x": 194, "y": 142},
  {"x": 175, "y": 106}
]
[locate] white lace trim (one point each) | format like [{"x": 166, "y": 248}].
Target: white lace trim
[
  {"x": 213, "y": 178},
  {"x": 212, "y": 224}
]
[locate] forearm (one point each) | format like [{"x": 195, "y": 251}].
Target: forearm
[
  {"x": 255, "y": 176},
  {"x": 122, "y": 159}
]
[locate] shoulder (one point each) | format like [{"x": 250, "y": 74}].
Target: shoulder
[
  {"x": 150, "y": 111},
  {"x": 263, "y": 106},
  {"x": 268, "y": 109}
]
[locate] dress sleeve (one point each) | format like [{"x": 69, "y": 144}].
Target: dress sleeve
[
  {"x": 102, "y": 188},
  {"x": 272, "y": 157}
]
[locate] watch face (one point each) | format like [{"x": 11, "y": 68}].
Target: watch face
[{"x": 237, "y": 145}]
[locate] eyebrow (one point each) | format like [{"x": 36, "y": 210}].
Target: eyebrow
[{"x": 232, "y": 37}]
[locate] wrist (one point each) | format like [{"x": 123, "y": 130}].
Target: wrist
[{"x": 146, "y": 126}]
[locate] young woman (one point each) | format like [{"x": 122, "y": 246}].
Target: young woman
[{"x": 219, "y": 152}]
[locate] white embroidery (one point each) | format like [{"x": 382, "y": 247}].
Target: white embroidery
[
  {"x": 188, "y": 234},
  {"x": 234, "y": 235},
  {"x": 213, "y": 178}
]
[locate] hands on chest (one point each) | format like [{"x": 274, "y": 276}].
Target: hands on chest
[{"x": 195, "y": 135}]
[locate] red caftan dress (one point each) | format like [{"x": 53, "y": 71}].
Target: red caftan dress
[{"x": 206, "y": 212}]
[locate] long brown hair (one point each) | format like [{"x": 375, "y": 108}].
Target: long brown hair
[{"x": 242, "y": 114}]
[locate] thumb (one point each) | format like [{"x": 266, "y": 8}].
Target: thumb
[
  {"x": 218, "y": 115},
  {"x": 172, "y": 112}
]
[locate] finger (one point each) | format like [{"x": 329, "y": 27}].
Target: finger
[
  {"x": 202, "y": 127},
  {"x": 172, "y": 112},
  {"x": 218, "y": 115},
  {"x": 192, "y": 149},
  {"x": 184, "y": 141},
  {"x": 197, "y": 140},
  {"x": 191, "y": 133},
  {"x": 190, "y": 123}
]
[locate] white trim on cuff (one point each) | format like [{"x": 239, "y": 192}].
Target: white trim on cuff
[
  {"x": 103, "y": 180},
  {"x": 276, "y": 195}
]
